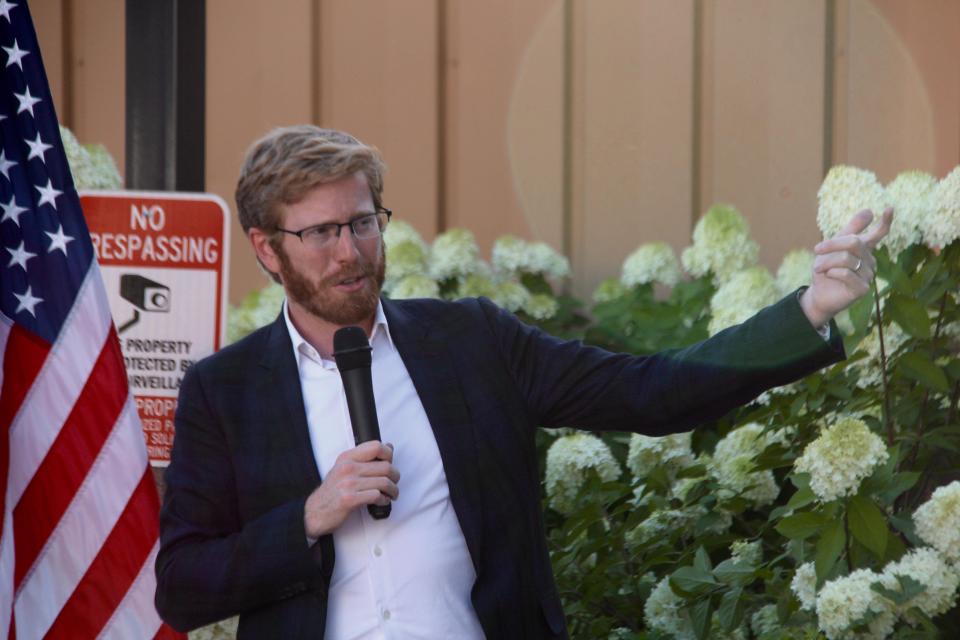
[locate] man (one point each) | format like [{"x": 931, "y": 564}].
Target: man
[{"x": 249, "y": 527}]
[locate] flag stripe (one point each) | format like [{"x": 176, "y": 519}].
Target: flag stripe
[
  {"x": 114, "y": 570},
  {"x": 85, "y": 526},
  {"x": 59, "y": 382},
  {"x": 136, "y": 617},
  {"x": 71, "y": 456}
]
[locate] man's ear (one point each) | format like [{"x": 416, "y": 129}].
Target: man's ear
[{"x": 260, "y": 241}]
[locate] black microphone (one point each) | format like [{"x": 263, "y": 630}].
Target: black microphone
[{"x": 352, "y": 352}]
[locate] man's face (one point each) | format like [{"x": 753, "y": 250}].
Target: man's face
[{"x": 339, "y": 283}]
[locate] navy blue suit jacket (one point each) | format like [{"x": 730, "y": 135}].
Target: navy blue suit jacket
[{"x": 232, "y": 534}]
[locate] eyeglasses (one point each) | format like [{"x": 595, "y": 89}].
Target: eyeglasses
[{"x": 364, "y": 227}]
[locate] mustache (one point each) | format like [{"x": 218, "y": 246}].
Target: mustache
[{"x": 362, "y": 271}]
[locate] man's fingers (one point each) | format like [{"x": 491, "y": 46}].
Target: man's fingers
[
  {"x": 858, "y": 223},
  {"x": 875, "y": 235},
  {"x": 370, "y": 450}
]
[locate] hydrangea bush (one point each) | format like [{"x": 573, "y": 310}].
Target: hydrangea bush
[{"x": 829, "y": 508}]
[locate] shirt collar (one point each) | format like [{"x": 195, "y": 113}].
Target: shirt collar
[{"x": 302, "y": 348}]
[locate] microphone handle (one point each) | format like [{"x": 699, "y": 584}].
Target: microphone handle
[{"x": 358, "y": 387}]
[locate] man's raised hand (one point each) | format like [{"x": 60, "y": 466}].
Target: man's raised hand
[{"x": 844, "y": 267}]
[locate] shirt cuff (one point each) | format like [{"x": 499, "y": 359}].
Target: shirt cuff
[{"x": 823, "y": 330}]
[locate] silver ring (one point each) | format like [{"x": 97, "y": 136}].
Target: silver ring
[{"x": 859, "y": 264}]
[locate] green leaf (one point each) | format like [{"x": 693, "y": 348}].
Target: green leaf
[
  {"x": 700, "y": 618},
  {"x": 909, "y": 589},
  {"x": 918, "y": 366},
  {"x": 732, "y": 572},
  {"x": 801, "y": 525},
  {"x": 867, "y": 524},
  {"x": 901, "y": 482},
  {"x": 829, "y": 548},
  {"x": 801, "y": 498},
  {"x": 860, "y": 313},
  {"x": 702, "y": 561},
  {"x": 694, "y": 471},
  {"x": 692, "y": 581},
  {"x": 730, "y": 611},
  {"x": 909, "y": 314}
]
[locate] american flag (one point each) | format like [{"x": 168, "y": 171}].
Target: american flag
[{"x": 80, "y": 525}]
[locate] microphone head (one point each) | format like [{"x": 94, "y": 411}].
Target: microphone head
[{"x": 351, "y": 349}]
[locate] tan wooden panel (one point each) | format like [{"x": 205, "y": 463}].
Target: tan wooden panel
[
  {"x": 378, "y": 68},
  {"x": 763, "y": 118},
  {"x": 487, "y": 45},
  {"x": 634, "y": 153},
  {"x": 48, "y": 20},
  {"x": 902, "y": 90},
  {"x": 259, "y": 76},
  {"x": 97, "y": 74}
]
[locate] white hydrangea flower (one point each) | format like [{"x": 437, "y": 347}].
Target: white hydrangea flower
[
  {"x": 795, "y": 271},
  {"x": 804, "y": 586},
  {"x": 840, "y": 458},
  {"x": 512, "y": 256},
  {"x": 475, "y": 286},
  {"x": 927, "y": 567},
  {"x": 943, "y": 224},
  {"x": 765, "y": 620},
  {"x": 846, "y": 191},
  {"x": 92, "y": 166},
  {"x": 406, "y": 258},
  {"x": 660, "y": 523},
  {"x": 398, "y": 232},
  {"x": 609, "y": 289},
  {"x": 733, "y": 461},
  {"x": 749, "y": 552},
  {"x": 911, "y": 195},
  {"x": 938, "y": 521},
  {"x": 845, "y": 600},
  {"x": 869, "y": 372},
  {"x": 646, "y": 452},
  {"x": 662, "y": 611},
  {"x": 511, "y": 295},
  {"x": 568, "y": 459},
  {"x": 721, "y": 245},
  {"x": 509, "y": 254},
  {"x": 545, "y": 260},
  {"x": 541, "y": 306},
  {"x": 744, "y": 294},
  {"x": 454, "y": 254},
  {"x": 415, "y": 286},
  {"x": 652, "y": 262}
]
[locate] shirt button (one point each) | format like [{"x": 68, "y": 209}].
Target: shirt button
[
  {"x": 386, "y": 614},
  {"x": 377, "y": 551}
]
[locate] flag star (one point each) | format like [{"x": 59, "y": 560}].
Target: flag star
[
  {"x": 58, "y": 240},
  {"x": 27, "y": 302},
  {"x": 15, "y": 54},
  {"x": 5, "y": 9},
  {"x": 26, "y": 101},
  {"x": 19, "y": 256},
  {"x": 5, "y": 164},
  {"x": 48, "y": 195},
  {"x": 37, "y": 148},
  {"x": 12, "y": 211}
]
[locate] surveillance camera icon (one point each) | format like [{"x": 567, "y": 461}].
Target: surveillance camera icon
[{"x": 144, "y": 294}]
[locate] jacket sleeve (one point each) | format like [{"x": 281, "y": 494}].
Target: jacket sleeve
[
  {"x": 211, "y": 564},
  {"x": 567, "y": 384}
]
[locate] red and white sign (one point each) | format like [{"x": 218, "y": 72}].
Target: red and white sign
[{"x": 164, "y": 259}]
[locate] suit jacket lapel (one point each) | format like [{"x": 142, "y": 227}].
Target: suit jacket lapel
[
  {"x": 280, "y": 386},
  {"x": 434, "y": 375}
]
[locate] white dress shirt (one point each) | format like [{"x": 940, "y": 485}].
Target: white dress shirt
[{"x": 409, "y": 575}]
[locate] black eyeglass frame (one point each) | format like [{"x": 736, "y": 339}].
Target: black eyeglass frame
[{"x": 341, "y": 225}]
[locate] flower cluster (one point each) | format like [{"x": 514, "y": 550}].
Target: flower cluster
[
  {"x": 804, "y": 586},
  {"x": 938, "y": 521},
  {"x": 911, "y": 195},
  {"x": 748, "y": 552},
  {"x": 568, "y": 460},
  {"x": 845, "y": 191},
  {"x": 745, "y": 293},
  {"x": 672, "y": 451},
  {"x": 927, "y": 567},
  {"x": 609, "y": 289},
  {"x": 257, "y": 309},
  {"x": 514, "y": 256},
  {"x": 662, "y": 611},
  {"x": 843, "y": 455},
  {"x": 652, "y": 262},
  {"x": 721, "y": 245},
  {"x": 454, "y": 254},
  {"x": 943, "y": 225},
  {"x": 91, "y": 165},
  {"x": 796, "y": 270},
  {"x": 733, "y": 464},
  {"x": 415, "y": 286},
  {"x": 847, "y": 600}
]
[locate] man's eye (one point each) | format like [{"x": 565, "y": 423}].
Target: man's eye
[
  {"x": 366, "y": 223},
  {"x": 320, "y": 232}
]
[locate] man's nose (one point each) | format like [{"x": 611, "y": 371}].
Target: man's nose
[{"x": 345, "y": 246}]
